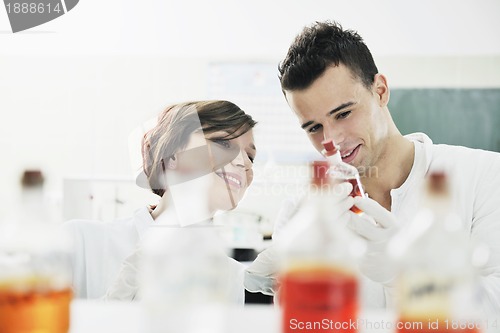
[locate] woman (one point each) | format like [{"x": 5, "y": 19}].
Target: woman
[{"x": 198, "y": 159}]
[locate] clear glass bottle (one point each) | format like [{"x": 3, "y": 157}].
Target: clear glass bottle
[
  {"x": 437, "y": 288},
  {"x": 35, "y": 270},
  {"x": 185, "y": 279},
  {"x": 319, "y": 278},
  {"x": 343, "y": 171}
]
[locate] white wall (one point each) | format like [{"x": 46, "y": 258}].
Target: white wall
[
  {"x": 72, "y": 115},
  {"x": 259, "y": 28},
  {"x": 72, "y": 90}
]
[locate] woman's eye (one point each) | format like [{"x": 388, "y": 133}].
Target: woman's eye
[
  {"x": 343, "y": 115},
  {"x": 314, "y": 129},
  {"x": 223, "y": 143},
  {"x": 251, "y": 158}
]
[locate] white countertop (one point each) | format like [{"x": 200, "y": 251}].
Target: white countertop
[
  {"x": 91, "y": 316},
  {"x": 130, "y": 317}
]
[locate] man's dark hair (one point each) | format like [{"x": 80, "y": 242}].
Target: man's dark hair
[{"x": 319, "y": 46}]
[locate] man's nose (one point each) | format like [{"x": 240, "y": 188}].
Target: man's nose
[{"x": 333, "y": 132}]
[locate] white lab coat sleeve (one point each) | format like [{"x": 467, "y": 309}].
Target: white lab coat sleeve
[
  {"x": 235, "y": 282},
  {"x": 77, "y": 258},
  {"x": 286, "y": 212},
  {"x": 260, "y": 276},
  {"x": 126, "y": 285},
  {"x": 485, "y": 227},
  {"x": 94, "y": 263}
]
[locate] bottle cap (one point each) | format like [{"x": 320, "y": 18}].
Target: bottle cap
[
  {"x": 32, "y": 178},
  {"x": 330, "y": 147},
  {"x": 438, "y": 183}
]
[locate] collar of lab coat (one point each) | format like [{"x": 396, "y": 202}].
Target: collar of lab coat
[
  {"x": 143, "y": 220},
  {"x": 421, "y": 162}
]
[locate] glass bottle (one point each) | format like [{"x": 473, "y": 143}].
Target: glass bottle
[
  {"x": 343, "y": 171},
  {"x": 35, "y": 270},
  {"x": 185, "y": 279},
  {"x": 436, "y": 286},
  {"x": 318, "y": 281}
]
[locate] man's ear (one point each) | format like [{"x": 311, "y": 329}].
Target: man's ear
[{"x": 381, "y": 89}]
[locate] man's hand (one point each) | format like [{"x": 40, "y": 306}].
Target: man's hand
[
  {"x": 377, "y": 226},
  {"x": 294, "y": 218}
]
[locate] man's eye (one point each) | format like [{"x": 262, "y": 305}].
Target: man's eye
[
  {"x": 314, "y": 129},
  {"x": 343, "y": 115}
]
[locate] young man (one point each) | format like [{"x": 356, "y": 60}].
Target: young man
[{"x": 333, "y": 86}]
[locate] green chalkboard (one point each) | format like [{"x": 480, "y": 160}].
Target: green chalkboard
[{"x": 465, "y": 117}]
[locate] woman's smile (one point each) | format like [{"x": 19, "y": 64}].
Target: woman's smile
[{"x": 232, "y": 179}]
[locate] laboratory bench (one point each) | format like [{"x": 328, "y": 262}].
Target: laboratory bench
[{"x": 130, "y": 317}]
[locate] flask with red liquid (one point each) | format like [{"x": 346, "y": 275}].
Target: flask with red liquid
[
  {"x": 343, "y": 171},
  {"x": 318, "y": 281}
]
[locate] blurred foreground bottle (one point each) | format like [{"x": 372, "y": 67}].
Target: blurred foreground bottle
[
  {"x": 35, "y": 276},
  {"x": 437, "y": 288},
  {"x": 185, "y": 279},
  {"x": 319, "y": 283}
]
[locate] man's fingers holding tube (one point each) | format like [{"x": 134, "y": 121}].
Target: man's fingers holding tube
[
  {"x": 344, "y": 205},
  {"x": 342, "y": 190},
  {"x": 382, "y": 216},
  {"x": 365, "y": 227},
  {"x": 376, "y": 224}
]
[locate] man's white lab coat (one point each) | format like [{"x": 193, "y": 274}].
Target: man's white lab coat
[{"x": 475, "y": 181}]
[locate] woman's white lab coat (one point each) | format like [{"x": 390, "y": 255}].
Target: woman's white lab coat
[{"x": 101, "y": 248}]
